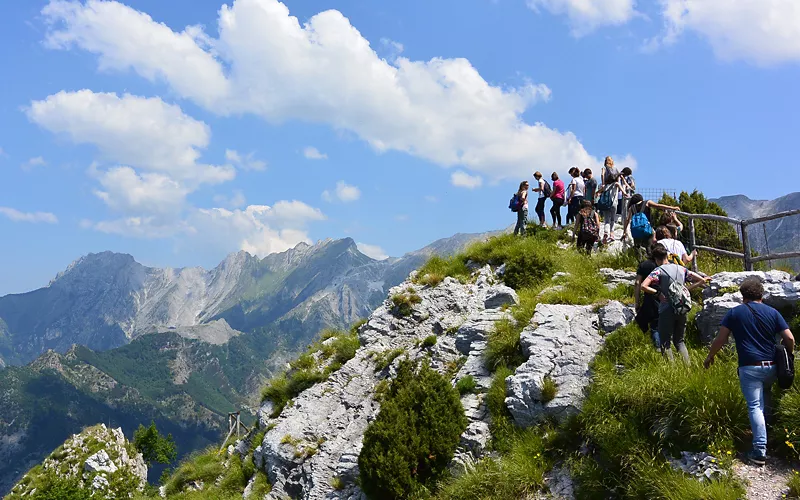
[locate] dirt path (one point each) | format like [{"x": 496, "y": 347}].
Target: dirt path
[{"x": 764, "y": 483}]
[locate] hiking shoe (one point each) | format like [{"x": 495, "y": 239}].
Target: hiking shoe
[{"x": 755, "y": 458}]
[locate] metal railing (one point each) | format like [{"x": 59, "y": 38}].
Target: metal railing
[{"x": 746, "y": 255}]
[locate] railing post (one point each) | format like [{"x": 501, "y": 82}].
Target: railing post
[
  {"x": 748, "y": 264},
  {"x": 692, "y": 242}
]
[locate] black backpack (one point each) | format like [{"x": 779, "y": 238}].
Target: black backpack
[{"x": 547, "y": 189}]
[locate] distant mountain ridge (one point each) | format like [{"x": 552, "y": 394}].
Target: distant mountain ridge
[
  {"x": 105, "y": 300},
  {"x": 782, "y": 235}
]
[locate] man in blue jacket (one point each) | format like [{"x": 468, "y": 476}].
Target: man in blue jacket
[{"x": 754, "y": 326}]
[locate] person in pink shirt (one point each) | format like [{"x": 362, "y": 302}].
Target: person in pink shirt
[{"x": 558, "y": 200}]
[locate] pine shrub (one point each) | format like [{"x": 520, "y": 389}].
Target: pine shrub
[{"x": 408, "y": 446}]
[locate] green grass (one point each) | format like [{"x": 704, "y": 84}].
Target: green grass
[
  {"x": 438, "y": 268},
  {"x": 794, "y": 485},
  {"x": 466, "y": 385},
  {"x": 549, "y": 390},
  {"x": 206, "y": 466},
  {"x": 403, "y": 303},
  {"x": 385, "y": 358},
  {"x": 429, "y": 341},
  {"x": 334, "y": 348}
]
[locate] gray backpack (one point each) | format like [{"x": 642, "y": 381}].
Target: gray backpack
[{"x": 675, "y": 291}]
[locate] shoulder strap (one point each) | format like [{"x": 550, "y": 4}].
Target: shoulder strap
[{"x": 758, "y": 320}]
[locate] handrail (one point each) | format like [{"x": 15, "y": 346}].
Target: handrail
[{"x": 746, "y": 254}]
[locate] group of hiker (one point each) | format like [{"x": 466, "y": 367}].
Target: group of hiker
[
  {"x": 592, "y": 205},
  {"x": 764, "y": 342}
]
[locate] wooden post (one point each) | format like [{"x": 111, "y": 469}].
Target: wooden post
[
  {"x": 748, "y": 264},
  {"x": 692, "y": 242},
  {"x": 238, "y": 424}
]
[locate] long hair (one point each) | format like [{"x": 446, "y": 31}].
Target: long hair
[{"x": 523, "y": 186}]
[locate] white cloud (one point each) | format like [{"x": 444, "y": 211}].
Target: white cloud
[
  {"x": 312, "y": 153},
  {"x": 265, "y": 62},
  {"x": 628, "y": 160},
  {"x": 258, "y": 229},
  {"x": 587, "y": 15},
  {"x": 140, "y": 132},
  {"x": 372, "y": 251},
  {"x": 147, "y": 227},
  {"x": 246, "y": 162},
  {"x": 149, "y": 193},
  {"x": 32, "y": 163},
  {"x": 463, "y": 179},
  {"x": 761, "y": 31},
  {"x": 33, "y": 217},
  {"x": 344, "y": 192}
]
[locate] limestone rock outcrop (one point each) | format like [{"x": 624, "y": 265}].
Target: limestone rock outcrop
[
  {"x": 722, "y": 294},
  {"x": 316, "y": 440}
]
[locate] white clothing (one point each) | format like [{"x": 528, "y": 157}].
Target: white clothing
[
  {"x": 674, "y": 246},
  {"x": 578, "y": 186},
  {"x": 541, "y": 188}
]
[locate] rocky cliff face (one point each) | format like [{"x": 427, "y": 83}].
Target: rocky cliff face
[{"x": 105, "y": 300}]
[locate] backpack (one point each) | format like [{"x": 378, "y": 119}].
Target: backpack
[
  {"x": 589, "y": 228},
  {"x": 640, "y": 226},
  {"x": 676, "y": 292},
  {"x": 516, "y": 203},
  {"x": 547, "y": 189},
  {"x": 605, "y": 202},
  {"x": 674, "y": 258},
  {"x": 784, "y": 360}
]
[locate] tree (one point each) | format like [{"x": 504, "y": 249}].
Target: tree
[
  {"x": 154, "y": 447},
  {"x": 707, "y": 232},
  {"x": 408, "y": 446}
]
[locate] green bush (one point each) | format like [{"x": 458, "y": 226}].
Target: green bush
[
  {"x": 438, "y": 268},
  {"x": 794, "y": 485},
  {"x": 385, "y": 358},
  {"x": 206, "y": 466},
  {"x": 154, "y": 447},
  {"x": 408, "y": 446}
]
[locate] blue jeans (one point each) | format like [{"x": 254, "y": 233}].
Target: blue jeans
[
  {"x": 654, "y": 333},
  {"x": 756, "y": 383},
  {"x": 522, "y": 221}
]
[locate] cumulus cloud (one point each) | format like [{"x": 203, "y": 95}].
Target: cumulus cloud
[
  {"x": 32, "y": 217},
  {"x": 344, "y": 192},
  {"x": 372, "y": 251},
  {"x": 760, "y": 31},
  {"x": 140, "y": 132},
  {"x": 587, "y": 15},
  {"x": 463, "y": 179},
  {"x": 312, "y": 153},
  {"x": 151, "y": 193},
  {"x": 259, "y": 229},
  {"x": 31, "y": 163},
  {"x": 265, "y": 62},
  {"x": 245, "y": 162}
]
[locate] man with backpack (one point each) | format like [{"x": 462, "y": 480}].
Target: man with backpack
[
  {"x": 638, "y": 219},
  {"x": 754, "y": 326},
  {"x": 669, "y": 285},
  {"x": 590, "y": 184},
  {"x": 646, "y": 304}
]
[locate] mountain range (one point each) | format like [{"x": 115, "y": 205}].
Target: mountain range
[
  {"x": 114, "y": 341},
  {"x": 779, "y": 235}
]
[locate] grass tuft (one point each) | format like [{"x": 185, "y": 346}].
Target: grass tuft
[
  {"x": 466, "y": 385},
  {"x": 549, "y": 390}
]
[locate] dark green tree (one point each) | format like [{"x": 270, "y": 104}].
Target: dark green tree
[
  {"x": 408, "y": 446},
  {"x": 154, "y": 447},
  {"x": 707, "y": 232}
]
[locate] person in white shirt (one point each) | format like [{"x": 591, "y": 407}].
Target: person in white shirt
[
  {"x": 575, "y": 194},
  {"x": 673, "y": 246}
]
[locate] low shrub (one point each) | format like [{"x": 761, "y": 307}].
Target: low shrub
[
  {"x": 206, "y": 466},
  {"x": 408, "y": 446},
  {"x": 429, "y": 341},
  {"x": 466, "y": 385},
  {"x": 438, "y": 268},
  {"x": 385, "y": 358},
  {"x": 404, "y": 302}
]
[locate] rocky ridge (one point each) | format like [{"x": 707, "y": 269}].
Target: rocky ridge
[{"x": 98, "y": 459}]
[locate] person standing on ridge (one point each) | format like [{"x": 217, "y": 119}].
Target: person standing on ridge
[
  {"x": 590, "y": 185},
  {"x": 608, "y": 199},
  {"x": 576, "y": 194},
  {"x": 628, "y": 190},
  {"x": 543, "y": 190},
  {"x": 754, "y": 326},
  {"x": 522, "y": 213},
  {"x": 671, "y": 320},
  {"x": 587, "y": 227},
  {"x": 558, "y": 200}
]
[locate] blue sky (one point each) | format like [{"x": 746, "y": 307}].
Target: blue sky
[{"x": 181, "y": 131}]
